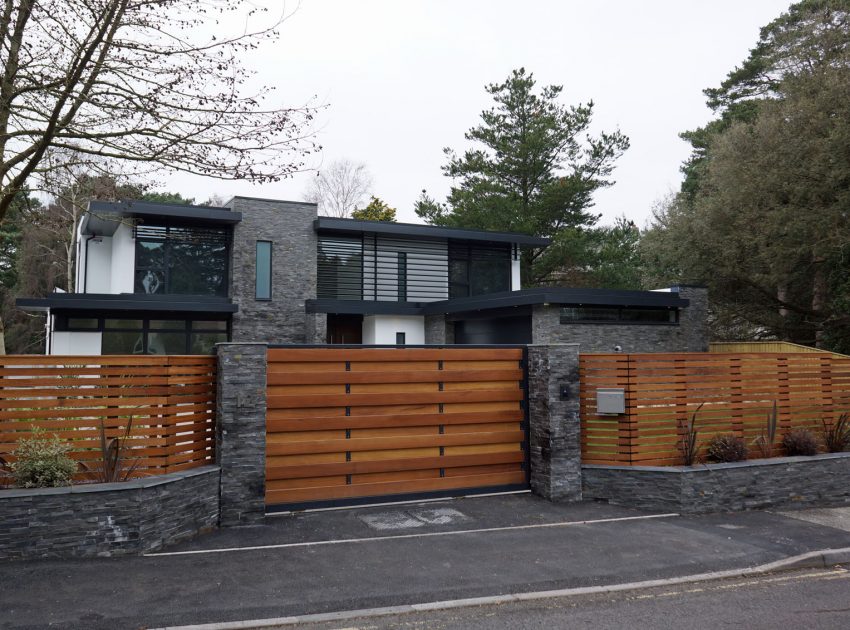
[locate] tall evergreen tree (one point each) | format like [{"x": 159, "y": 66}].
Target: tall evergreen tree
[{"x": 533, "y": 169}]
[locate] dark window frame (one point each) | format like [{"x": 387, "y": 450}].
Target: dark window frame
[
  {"x": 147, "y": 233},
  {"x": 188, "y": 328},
  {"x": 619, "y": 321},
  {"x": 257, "y": 271},
  {"x": 469, "y": 253}
]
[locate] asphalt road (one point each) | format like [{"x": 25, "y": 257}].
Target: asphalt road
[{"x": 810, "y": 599}]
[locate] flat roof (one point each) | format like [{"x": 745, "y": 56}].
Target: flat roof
[
  {"x": 333, "y": 224},
  {"x": 128, "y": 302},
  {"x": 103, "y": 217},
  {"x": 524, "y": 297}
]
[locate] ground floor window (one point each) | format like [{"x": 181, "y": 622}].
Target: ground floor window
[
  {"x": 618, "y": 315},
  {"x": 132, "y": 335}
]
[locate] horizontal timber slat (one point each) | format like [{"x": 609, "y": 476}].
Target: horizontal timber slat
[
  {"x": 737, "y": 391},
  {"x": 346, "y": 423},
  {"x": 171, "y": 400}
]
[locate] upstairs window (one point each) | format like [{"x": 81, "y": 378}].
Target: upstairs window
[
  {"x": 263, "y": 275},
  {"x": 180, "y": 260},
  {"x": 478, "y": 268}
]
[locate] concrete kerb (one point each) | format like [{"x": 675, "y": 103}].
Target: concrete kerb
[{"x": 813, "y": 559}]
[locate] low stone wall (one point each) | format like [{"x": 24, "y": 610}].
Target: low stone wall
[
  {"x": 108, "y": 519},
  {"x": 818, "y": 481}
]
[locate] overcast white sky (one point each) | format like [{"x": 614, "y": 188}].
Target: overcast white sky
[{"x": 403, "y": 79}]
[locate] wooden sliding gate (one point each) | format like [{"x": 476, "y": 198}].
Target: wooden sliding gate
[{"x": 353, "y": 424}]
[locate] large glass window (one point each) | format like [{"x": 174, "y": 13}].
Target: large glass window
[
  {"x": 264, "y": 270},
  {"x": 151, "y": 336},
  {"x": 478, "y": 268},
  {"x": 181, "y": 260}
]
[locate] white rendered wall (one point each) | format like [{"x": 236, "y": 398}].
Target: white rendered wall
[
  {"x": 97, "y": 269},
  {"x": 516, "y": 282},
  {"x": 78, "y": 343},
  {"x": 123, "y": 260},
  {"x": 381, "y": 329}
]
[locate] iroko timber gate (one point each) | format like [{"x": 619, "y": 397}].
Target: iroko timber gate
[{"x": 349, "y": 425}]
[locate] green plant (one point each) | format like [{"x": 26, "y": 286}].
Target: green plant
[
  {"x": 836, "y": 435},
  {"x": 764, "y": 442},
  {"x": 42, "y": 462},
  {"x": 799, "y": 442},
  {"x": 111, "y": 466},
  {"x": 688, "y": 445},
  {"x": 726, "y": 448}
]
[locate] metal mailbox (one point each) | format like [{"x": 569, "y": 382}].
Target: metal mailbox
[{"x": 610, "y": 401}]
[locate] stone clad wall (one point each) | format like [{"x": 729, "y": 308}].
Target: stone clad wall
[
  {"x": 108, "y": 519},
  {"x": 554, "y": 429},
  {"x": 289, "y": 225},
  {"x": 818, "y": 481},
  {"x": 241, "y": 431},
  {"x": 690, "y": 335}
]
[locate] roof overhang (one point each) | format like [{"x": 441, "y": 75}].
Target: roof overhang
[
  {"x": 128, "y": 302},
  {"x": 560, "y": 296},
  {"x": 414, "y": 230},
  {"x": 504, "y": 300},
  {"x": 103, "y": 217}
]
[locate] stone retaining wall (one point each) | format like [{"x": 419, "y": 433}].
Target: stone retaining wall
[
  {"x": 108, "y": 519},
  {"x": 818, "y": 481}
]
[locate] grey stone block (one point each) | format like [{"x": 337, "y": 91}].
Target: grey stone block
[
  {"x": 819, "y": 481},
  {"x": 554, "y": 429},
  {"x": 241, "y": 431},
  {"x": 690, "y": 335},
  {"x": 289, "y": 226},
  {"x": 108, "y": 519}
]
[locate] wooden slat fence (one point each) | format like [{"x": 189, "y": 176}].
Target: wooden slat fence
[
  {"x": 349, "y": 423},
  {"x": 761, "y": 346},
  {"x": 171, "y": 400},
  {"x": 737, "y": 391}
]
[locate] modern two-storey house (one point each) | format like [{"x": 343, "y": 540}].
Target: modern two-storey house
[{"x": 171, "y": 279}]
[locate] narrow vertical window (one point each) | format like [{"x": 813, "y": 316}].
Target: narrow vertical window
[
  {"x": 400, "y": 338},
  {"x": 264, "y": 270}
]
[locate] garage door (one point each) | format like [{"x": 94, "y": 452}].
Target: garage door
[{"x": 347, "y": 425}]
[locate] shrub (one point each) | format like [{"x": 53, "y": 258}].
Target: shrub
[
  {"x": 836, "y": 435},
  {"x": 688, "y": 444},
  {"x": 726, "y": 448},
  {"x": 42, "y": 462},
  {"x": 799, "y": 442},
  {"x": 764, "y": 442},
  {"x": 111, "y": 466}
]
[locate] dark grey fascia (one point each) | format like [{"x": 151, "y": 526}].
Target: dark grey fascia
[
  {"x": 363, "y": 307},
  {"x": 103, "y": 217},
  {"x": 503, "y": 300},
  {"x": 415, "y": 230},
  {"x": 128, "y": 302},
  {"x": 559, "y": 295}
]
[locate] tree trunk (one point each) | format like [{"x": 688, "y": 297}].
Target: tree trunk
[
  {"x": 2, "y": 338},
  {"x": 819, "y": 296}
]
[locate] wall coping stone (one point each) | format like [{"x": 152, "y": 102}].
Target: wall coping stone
[
  {"x": 707, "y": 468},
  {"x": 132, "y": 484}
]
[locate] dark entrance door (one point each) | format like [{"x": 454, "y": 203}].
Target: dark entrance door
[{"x": 345, "y": 328}]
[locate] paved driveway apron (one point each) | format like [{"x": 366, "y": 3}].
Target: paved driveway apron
[{"x": 390, "y": 555}]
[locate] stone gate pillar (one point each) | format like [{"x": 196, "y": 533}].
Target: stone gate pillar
[
  {"x": 555, "y": 435},
  {"x": 241, "y": 432}
]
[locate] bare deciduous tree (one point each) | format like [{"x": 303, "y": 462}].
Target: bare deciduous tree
[
  {"x": 340, "y": 188},
  {"x": 154, "y": 83}
]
